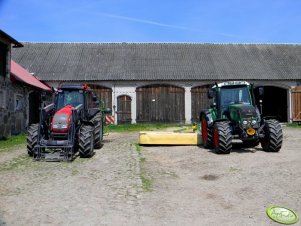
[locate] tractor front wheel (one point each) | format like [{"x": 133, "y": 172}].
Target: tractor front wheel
[
  {"x": 98, "y": 128},
  {"x": 32, "y": 138},
  {"x": 222, "y": 138},
  {"x": 272, "y": 140},
  {"x": 86, "y": 141},
  {"x": 206, "y": 133}
]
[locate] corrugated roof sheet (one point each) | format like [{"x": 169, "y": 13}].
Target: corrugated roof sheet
[
  {"x": 19, "y": 73},
  {"x": 160, "y": 61}
]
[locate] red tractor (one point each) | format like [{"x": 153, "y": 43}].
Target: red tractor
[{"x": 73, "y": 122}]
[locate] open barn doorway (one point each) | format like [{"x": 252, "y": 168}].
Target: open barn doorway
[
  {"x": 33, "y": 106},
  {"x": 274, "y": 102}
]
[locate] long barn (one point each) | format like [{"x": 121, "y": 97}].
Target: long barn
[{"x": 168, "y": 82}]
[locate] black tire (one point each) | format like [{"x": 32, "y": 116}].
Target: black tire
[
  {"x": 206, "y": 133},
  {"x": 32, "y": 138},
  {"x": 273, "y": 136},
  {"x": 98, "y": 130},
  {"x": 86, "y": 141},
  {"x": 222, "y": 138}
]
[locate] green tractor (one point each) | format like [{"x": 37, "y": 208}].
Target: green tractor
[{"x": 234, "y": 115}]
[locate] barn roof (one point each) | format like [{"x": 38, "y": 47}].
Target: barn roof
[
  {"x": 19, "y": 73},
  {"x": 10, "y": 39},
  {"x": 160, "y": 61}
]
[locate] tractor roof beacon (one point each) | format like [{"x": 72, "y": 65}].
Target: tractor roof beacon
[
  {"x": 73, "y": 122},
  {"x": 234, "y": 115}
]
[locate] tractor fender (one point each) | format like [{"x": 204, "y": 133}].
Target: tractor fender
[{"x": 208, "y": 117}]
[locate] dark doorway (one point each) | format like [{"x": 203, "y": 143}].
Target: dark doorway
[
  {"x": 124, "y": 109},
  {"x": 274, "y": 102},
  {"x": 34, "y": 104},
  {"x": 160, "y": 103}
]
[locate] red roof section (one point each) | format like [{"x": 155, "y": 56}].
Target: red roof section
[{"x": 21, "y": 74}]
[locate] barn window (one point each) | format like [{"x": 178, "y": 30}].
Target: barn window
[
  {"x": 19, "y": 102},
  {"x": 3, "y": 52}
]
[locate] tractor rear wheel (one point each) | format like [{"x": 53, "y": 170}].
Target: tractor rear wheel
[
  {"x": 86, "y": 141},
  {"x": 98, "y": 130},
  {"x": 206, "y": 133},
  {"x": 32, "y": 138},
  {"x": 273, "y": 136},
  {"x": 222, "y": 138}
]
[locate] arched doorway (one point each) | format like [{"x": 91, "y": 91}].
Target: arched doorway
[
  {"x": 160, "y": 103},
  {"x": 104, "y": 94},
  {"x": 274, "y": 102},
  {"x": 124, "y": 111},
  {"x": 199, "y": 101}
]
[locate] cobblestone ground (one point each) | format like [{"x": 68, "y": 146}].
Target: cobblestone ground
[
  {"x": 103, "y": 190},
  {"x": 189, "y": 185}
]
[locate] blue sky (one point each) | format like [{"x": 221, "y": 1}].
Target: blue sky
[{"x": 212, "y": 21}]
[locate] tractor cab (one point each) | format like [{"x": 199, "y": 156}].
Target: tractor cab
[{"x": 234, "y": 101}]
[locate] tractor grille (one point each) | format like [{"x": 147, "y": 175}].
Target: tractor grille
[{"x": 247, "y": 111}]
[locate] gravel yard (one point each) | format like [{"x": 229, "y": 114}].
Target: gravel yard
[{"x": 124, "y": 184}]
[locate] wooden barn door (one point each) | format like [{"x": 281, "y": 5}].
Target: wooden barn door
[
  {"x": 296, "y": 104},
  {"x": 124, "y": 109},
  {"x": 199, "y": 101},
  {"x": 104, "y": 94},
  {"x": 160, "y": 103}
]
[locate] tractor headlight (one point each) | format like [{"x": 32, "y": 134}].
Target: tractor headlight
[
  {"x": 254, "y": 122},
  {"x": 245, "y": 122}
]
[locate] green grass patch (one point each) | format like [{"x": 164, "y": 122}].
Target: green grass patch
[
  {"x": 13, "y": 141},
  {"x": 146, "y": 180},
  {"x": 293, "y": 125},
  {"x": 137, "y": 127},
  {"x": 20, "y": 162}
]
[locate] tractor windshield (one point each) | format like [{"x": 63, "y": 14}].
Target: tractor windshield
[
  {"x": 69, "y": 97},
  {"x": 235, "y": 95}
]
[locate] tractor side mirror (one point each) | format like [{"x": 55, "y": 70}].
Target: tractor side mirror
[
  {"x": 261, "y": 91},
  {"x": 211, "y": 93},
  {"x": 107, "y": 111}
]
